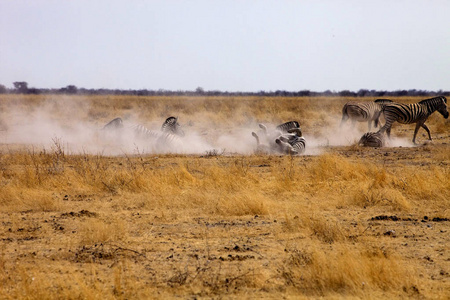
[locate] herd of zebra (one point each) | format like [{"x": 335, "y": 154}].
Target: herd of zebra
[
  {"x": 287, "y": 138},
  {"x": 402, "y": 113}
]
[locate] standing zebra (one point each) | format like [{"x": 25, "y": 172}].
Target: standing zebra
[
  {"x": 413, "y": 113},
  {"x": 364, "y": 111}
]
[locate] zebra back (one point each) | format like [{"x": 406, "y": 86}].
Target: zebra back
[{"x": 412, "y": 113}]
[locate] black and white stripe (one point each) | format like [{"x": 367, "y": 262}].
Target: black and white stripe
[
  {"x": 171, "y": 125},
  {"x": 372, "y": 139},
  {"x": 292, "y": 142},
  {"x": 168, "y": 139},
  {"x": 143, "y": 133},
  {"x": 285, "y": 127},
  {"x": 364, "y": 111},
  {"x": 413, "y": 113}
]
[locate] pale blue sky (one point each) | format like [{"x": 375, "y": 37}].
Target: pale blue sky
[{"x": 226, "y": 45}]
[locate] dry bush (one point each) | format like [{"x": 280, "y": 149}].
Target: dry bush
[{"x": 346, "y": 271}]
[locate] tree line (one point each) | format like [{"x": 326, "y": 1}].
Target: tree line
[{"x": 21, "y": 87}]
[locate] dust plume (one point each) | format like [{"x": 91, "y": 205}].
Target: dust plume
[{"x": 78, "y": 129}]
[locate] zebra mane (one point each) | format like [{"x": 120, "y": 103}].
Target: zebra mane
[
  {"x": 383, "y": 101},
  {"x": 426, "y": 101}
]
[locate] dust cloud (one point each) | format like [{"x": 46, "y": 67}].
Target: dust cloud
[{"x": 52, "y": 124}]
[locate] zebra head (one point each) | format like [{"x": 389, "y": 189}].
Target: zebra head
[
  {"x": 442, "y": 107},
  {"x": 171, "y": 125}
]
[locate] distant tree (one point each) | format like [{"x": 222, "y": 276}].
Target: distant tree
[
  {"x": 21, "y": 87},
  {"x": 3, "y": 89},
  {"x": 362, "y": 93},
  {"x": 71, "y": 89},
  {"x": 199, "y": 91},
  {"x": 347, "y": 93},
  {"x": 306, "y": 93}
]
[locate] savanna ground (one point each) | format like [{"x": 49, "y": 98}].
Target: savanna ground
[{"x": 340, "y": 222}]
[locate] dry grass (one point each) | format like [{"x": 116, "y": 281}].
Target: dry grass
[{"x": 349, "y": 222}]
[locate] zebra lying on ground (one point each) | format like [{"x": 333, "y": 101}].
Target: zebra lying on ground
[
  {"x": 292, "y": 143},
  {"x": 270, "y": 136},
  {"x": 285, "y": 139},
  {"x": 413, "y": 113},
  {"x": 168, "y": 139},
  {"x": 364, "y": 111},
  {"x": 372, "y": 139}
]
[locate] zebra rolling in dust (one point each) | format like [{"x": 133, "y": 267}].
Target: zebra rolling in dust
[
  {"x": 372, "y": 139},
  {"x": 285, "y": 139},
  {"x": 168, "y": 139},
  {"x": 364, "y": 112},
  {"x": 292, "y": 143},
  {"x": 413, "y": 113}
]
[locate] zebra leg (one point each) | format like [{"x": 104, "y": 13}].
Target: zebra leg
[
  {"x": 428, "y": 130},
  {"x": 257, "y": 138},
  {"x": 418, "y": 125}
]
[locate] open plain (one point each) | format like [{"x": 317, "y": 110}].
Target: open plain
[{"x": 88, "y": 217}]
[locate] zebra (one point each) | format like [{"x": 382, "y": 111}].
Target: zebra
[
  {"x": 364, "y": 111},
  {"x": 292, "y": 143},
  {"x": 167, "y": 139},
  {"x": 413, "y": 113},
  {"x": 372, "y": 139},
  {"x": 272, "y": 135}
]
